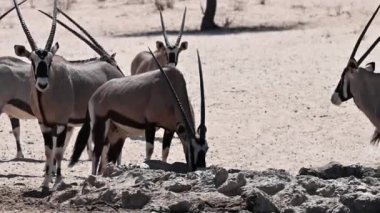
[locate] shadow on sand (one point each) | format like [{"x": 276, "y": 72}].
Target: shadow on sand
[
  {"x": 221, "y": 31},
  {"x": 36, "y": 194},
  {"x": 177, "y": 167},
  {"x": 27, "y": 160}
]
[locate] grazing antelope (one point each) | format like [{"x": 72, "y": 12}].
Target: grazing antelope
[
  {"x": 166, "y": 55},
  {"x": 60, "y": 93},
  {"x": 134, "y": 106},
  {"x": 361, "y": 84}
]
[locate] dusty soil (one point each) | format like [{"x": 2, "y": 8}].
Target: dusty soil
[{"x": 268, "y": 85}]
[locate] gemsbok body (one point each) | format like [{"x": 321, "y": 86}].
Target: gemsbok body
[
  {"x": 60, "y": 92},
  {"x": 167, "y": 55},
  {"x": 362, "y": 84},
  {"x": 15, "y": 102},
  {"x": 136, "y": 105}
]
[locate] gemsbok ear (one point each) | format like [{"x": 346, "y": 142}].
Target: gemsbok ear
[
  {"x": 55, "y": 48},
  {"x": 184, "y": 45},
  {"x": 370, "y": 67},
  {"x": 21, "y": 51},
  {"x": 159, "y": 45}
]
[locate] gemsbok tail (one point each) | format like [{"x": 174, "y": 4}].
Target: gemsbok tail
[{"x": 81, "y": 141}]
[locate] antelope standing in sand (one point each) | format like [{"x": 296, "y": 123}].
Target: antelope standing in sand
[
  {"x": 361, "y": 84},
  {"x": 136, "y": 105},
  {"x": 15, "y": 102},
  {"x": 166, "y": 54},
  {"x": 60, "y": 93}
]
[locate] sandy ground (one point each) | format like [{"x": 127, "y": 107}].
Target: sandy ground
[{"x": 268, "y": 91}]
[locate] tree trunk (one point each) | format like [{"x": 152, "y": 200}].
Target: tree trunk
[{"x": 209, "y": 15}]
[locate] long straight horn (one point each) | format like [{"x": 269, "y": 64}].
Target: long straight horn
[
  {"x": 182, "y": 27},
  {"x": 202, "y": 125},
  {"x": 84, "y": 31},
  {"x": 363, "y": 33},
  {"x": 24, "y": 27},
  {"x": 369, "y": 51},
  {"x": 164, "y": 30},
  {"x": 187, "y": 122},
  {"x": 95, "y": 48},
  {"x": 10, "y": 10},
  {"x": 50, "y": 40}
]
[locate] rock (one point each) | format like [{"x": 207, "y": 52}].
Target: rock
[
  {"x": 63, "y": 186},
  {"x": 361, "y": 202},
  {"x": 271, "y": 188},
  {"x": 233, "y": 188},
  {"x": 178, "y": 187},
  {"x": 134, "y": 200},
  {"x": 112, "y": 170},
  {"x": 65, "y": 195},
  {"x": 259, "y": 201},
  {"x": 92, "y": 181},
  {"x": 182, "y": 206},
  {"x": 311, "y": 184},
  {"x": 221, "y": 175},
  {"x": 327, "y": 191},
  {"x": 340, "y": 209},
  {"x": 292, "y": 195},
  {"x": 334, "y": 170},
  {"x": 109, "y": 196}
]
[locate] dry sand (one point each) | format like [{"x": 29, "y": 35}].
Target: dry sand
[{"x": 268, "y": 91}]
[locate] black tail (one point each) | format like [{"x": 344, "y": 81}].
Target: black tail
[{"x": 81, "y": 141}]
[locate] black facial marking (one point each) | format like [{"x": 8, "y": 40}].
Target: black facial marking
[
  {"x": 172, "y": 57},
  {"x": 201, "y": 162},
  {"x": 42, "y": 70},
  {"x": 41, "y": 54}
]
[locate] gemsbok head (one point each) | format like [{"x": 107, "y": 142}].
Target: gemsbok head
[
  {"x": 361, "y": 84},
  {"x": 40, "y": 58},
  {"x": 172, "y": 51}
]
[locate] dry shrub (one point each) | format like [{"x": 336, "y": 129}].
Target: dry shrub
[
  {"x": 239, "y": 5},
  {"x": 163, "y": 4}
]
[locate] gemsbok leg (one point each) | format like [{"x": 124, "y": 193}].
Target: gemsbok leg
[{"x": 15, "y": 122}]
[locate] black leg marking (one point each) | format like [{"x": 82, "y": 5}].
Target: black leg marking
[
  {"x": 150, "y": 132},
  {"x": 115, "y": 150},
  {"x": 16, "y": 132},
  {"x": 167, "y": 140},
  {"x": 98, "y": 132},
  {"x": 48, "y": 138}
]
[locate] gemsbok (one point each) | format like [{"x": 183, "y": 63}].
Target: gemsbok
[
  {"x": 60, "y": 92},
  {"x": 362, "y": 84},
  {"x": 134, "y": 106},
  {"x": 167, "y": 55}
]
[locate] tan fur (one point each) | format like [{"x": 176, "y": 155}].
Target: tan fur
[
  {"x": 71, "y": 86},
  {"x": 144, "y": 97},
  {"x": 143, "y": 62}
]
